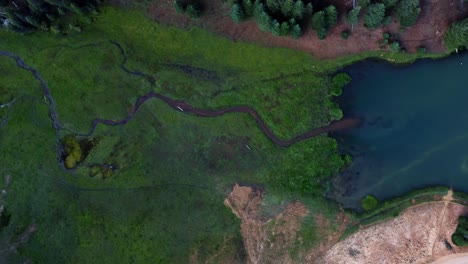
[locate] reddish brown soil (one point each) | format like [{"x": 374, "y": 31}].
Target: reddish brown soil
[
  {"x": 266, "y": 240},
  {"x": 435, "y": 17}
]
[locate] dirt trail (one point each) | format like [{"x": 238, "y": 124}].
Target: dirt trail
[
  {"x": 420, "y": 234},
  {"x": 266, "y": 240}
]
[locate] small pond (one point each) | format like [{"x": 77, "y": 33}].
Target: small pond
[{"x": 414, "y": 131}]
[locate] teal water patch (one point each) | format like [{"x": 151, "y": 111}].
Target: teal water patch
[{"x": 414, "y": 131}]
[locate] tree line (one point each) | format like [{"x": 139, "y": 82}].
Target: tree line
[
  {"x": 46, "y": 15},
  {"x": 291, "y": 17}
]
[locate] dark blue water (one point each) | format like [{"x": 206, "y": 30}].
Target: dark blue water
[{"x": 415, "y": 129}]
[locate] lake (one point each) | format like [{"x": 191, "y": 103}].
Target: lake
[{"x": 414, "y": 131}]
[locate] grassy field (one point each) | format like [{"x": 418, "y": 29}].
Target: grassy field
[{"x": 164, "y": 202}]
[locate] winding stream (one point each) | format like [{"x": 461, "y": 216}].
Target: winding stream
[{"x": 178, "y": 105}]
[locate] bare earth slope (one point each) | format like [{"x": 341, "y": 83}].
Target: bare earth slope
[
  {"x": 418, "y": 235},
  {"x": 265, "y": 240}
]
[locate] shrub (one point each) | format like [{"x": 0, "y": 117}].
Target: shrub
[
  {"x": 421, "y": 50},
  {"x": 460, "y": 237},
  {"x": 374, "y": 15},
  {"x": 386, "y": 20},
  {"x": 338, "y": 82},
  {"x": 345, "y": 34},
  {"x": 73, "y": 153},
  {"x": 408, "y": 12},
  {"x": 369, "y": 203}
]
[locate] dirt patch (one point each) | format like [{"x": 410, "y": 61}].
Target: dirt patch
[
  {"x": 419, "y": 235},
  {"x": 428, "y": 32},
  {"x": 266, "y": 240},
  {"x": 330, "y": 232}
]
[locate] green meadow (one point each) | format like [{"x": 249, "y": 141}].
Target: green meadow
[{"x": 163, "y": 202}]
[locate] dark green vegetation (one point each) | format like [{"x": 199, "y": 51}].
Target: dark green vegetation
[
  {"x": 369, "y": 203},
  {"x": 192, "y": 8},
  {"x": 457, "y": 35},
  {"x": 408, "y": 11},
  {"x": 170, "y": 171},
  {"x": 281, "y": 17},
  {"x": 460, "y": 237},
  {"x": 288, "y": 17},
  {"x": 374, "y": 15},
  {"x": 47, "y": 15}
]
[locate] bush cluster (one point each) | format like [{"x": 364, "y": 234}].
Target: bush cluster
[
  {"x": 72, "y": 150},
  {"x": 460, "y": 237},
  {"x": 369, "y": 203}
]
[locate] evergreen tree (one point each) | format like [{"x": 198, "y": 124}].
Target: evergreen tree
[
  {"x": 273, "y": 5},
  {"x": 193, "y": 10},
  {"x": 298, "y": 10},
  {"x": 296, "y": 31},
  {"x": 284, "y": 29},
  {"x": 309, "y": 9},
  {"x": 408, "y": 12},
  {"x": 331, "y": 16},
  {"x": 374, "y": 15},
  {"x": 457, "y": 35},
  {"x": 248, "y": 8},
  {"x": 264, "y": 21},
  {"x": 179, "y": 8},
  {"x": 236, "y": 13},
  {"x": 259, "y": 8},
  {"x": 287, "y": 7},
  {"x": 352, "y": 16},
  {"x": 389, "y": 3},
  {"x": 319, "y": 24},
  {"x": 275, "y": 28}
]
